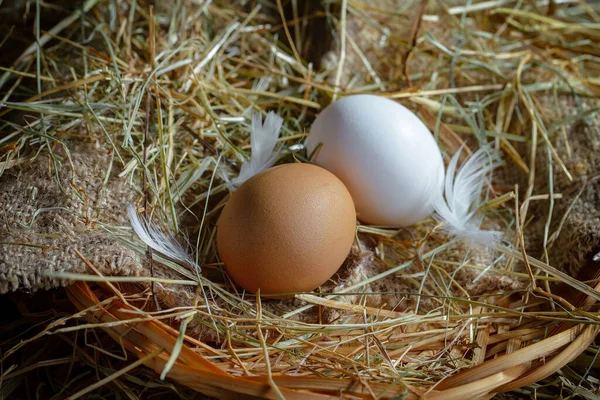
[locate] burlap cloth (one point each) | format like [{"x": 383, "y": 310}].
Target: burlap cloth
[{"x": 49, "y": 209}]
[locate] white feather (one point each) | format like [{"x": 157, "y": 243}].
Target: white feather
[
  {"x": 263, "y": 138},
  {"x": 157, "y": 240},
  {"x": 457, "y": 201}
]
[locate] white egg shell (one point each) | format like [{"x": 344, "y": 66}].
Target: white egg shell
[{"x": 383, "y": 153}]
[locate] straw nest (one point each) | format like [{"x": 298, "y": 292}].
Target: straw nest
[{"x": 149, "y": 103}]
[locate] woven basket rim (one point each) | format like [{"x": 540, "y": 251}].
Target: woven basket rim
[{"x": 506, "y": 372}]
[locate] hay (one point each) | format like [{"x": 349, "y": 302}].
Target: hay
[{"x": 152, "y": 106}]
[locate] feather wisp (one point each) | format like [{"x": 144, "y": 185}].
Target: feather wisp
[
  {"x": 263, "y": 138},
  {"x": 457, "y": 200},
  {"x": 164, "y": 243}
]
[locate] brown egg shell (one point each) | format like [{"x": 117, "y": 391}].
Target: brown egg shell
[{"x": 288, "y": 229}]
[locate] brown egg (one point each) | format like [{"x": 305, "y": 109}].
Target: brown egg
[{"x": 287, "y": 229}]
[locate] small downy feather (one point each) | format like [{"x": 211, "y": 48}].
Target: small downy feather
[
  {"x": 456, "y": 203},
  {"x": 263, "y": 138},
  {"x": 157, "y": 240}
]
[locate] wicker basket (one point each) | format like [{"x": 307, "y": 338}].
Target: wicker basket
[{"x": 516, "y": 358}]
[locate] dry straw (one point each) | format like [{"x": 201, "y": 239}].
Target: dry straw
[{"x": 168, "y": 93}]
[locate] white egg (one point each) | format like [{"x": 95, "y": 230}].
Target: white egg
[{"x": 384, "y": 154}]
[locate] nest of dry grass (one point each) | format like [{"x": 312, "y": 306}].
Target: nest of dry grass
[{"x": 150, "y": 103}]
